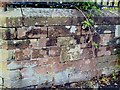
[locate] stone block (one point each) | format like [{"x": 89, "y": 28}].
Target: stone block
[
  {"x": 13, "y": 21},
  {"x": 70, "y": 54},
  {"x": 15, "y": 75},
  {"x": 65, "y": 41},
  {"x": 31, "y": 21},
  {"x": 58, "y": 21},
  {"x": 105, "y": 61},
  {"x": 28, "y": 72}
]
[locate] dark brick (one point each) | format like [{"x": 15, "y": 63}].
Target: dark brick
[
  {"x": 37, "y": 32},
  {"x": 51, "y": 42},
  {"x": 58, "y": 31},
  {"x": 9, "y": 34},
  {"x": 10, "y": 45},
  {"x": 22, "y": 44},
  {"x": 36, "y": 54}
]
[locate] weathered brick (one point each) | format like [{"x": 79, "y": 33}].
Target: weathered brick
[
  {"x": 87, "y": 67},
  {"x": 12, "y": 22},
  {"x": 9, "y": 34},
  {"x": 51, "y": 41},
  {"x": 21, "y": 55},
  {"x": 21, "y": 33},
  {"x": 54, "y": 51},
  {"x": 58, "y": 31},
  {"x": 58, "y": 67},
  {"x": 40, "y": 69},
  {"x": 19, "y": 44},
  {"x": 34, "y": 43},
  {"x": 87, "y": 53},
  {"x": 53, "y": 60},
  {"x": 10, "y": 45},
  {"x": 31, "y": 21},
  {"x": 37, "y": 32},
  {"x": 42, "y": 42},
  {"x": 42, "y": 61},
  {"x": 58, "y": 21},
  {"x": 24, "y": 63},
  {"x": 34, "y": 63},
  {"x": 28, "y": 72},
  {"x": 36, "y": 54}
]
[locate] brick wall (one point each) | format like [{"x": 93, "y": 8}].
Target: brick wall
[
  {"x": 36, "y": 53},
  {"x": 53, "y": 53}
]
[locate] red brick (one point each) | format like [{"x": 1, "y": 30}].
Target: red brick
[
  {"x": 37, "y": 32},
  {"x": 24, "y": 63},
  {"x": 44, "y": 51},
  {"x": 54, "y": 51},
  {"x": 34, "y": 63},
  {"x": 42, "y": 42},
  {"x": 27, "y": 52},
  {"x": 34, "y": 44},
  {"x": 52, "y": 41},
  {"x": 87, "y": 53},
  {"x": 21, "y": 33},
  {"x": 50, "y": 69},
  {"x": 40, "y": 69},
  {"x": 22, "y": 44},
  {"x": 102, "y": 51},
  {"x": 19, "y": 55},
  {"x": 78, "y": 63},
  {"x": 36, "y": 54},
  {"x": 53, "y": 60},
  {"x": 42, "y": 61},
  {"x": 58, "y": 67},
  {"x": 58, "y": 31},
  {"x": 88, "y": 65}
]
